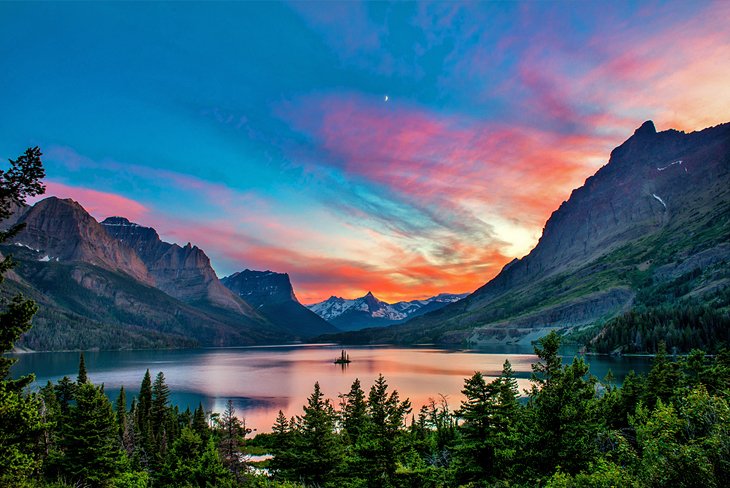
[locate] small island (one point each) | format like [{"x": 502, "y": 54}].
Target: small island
[{"x": 343, "y": 359}]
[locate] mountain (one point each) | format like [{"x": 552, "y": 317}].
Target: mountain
[
  {"x": 652, "y": 225},
  {"x": 368, "y": 311},
  {"x": 95, "y": 291},
  {"x": 184, "y": 273},
  {"x": 65, "y": 232},
  {"x": 272, "y": 295}
]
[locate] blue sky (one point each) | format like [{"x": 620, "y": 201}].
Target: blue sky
[{"x": 260, "y": 131}]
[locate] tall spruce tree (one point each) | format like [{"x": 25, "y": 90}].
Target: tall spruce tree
[
  {"x": 90, "y": 440},
  {"x": 320, "y": 454},
  {"x": 476, "y": 452},
  {"x": 561, "y": 429},
  {"x": 384, "y": 439},
  {"x": 354, "y": 412},
  {"x": 232, "y": 435},
  {"x": 20, "y": 421},
  {"x": 143, "y": 420},
  {"x": 82, "y": 377}
]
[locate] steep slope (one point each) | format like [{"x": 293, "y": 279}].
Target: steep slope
[
  {"x": 657, "y": 210},
  {"x": 64, "y": 231},
  {"x": 96, "y": 292},
  {"x": 182, "y": 272},
  {"x": 272, "y": 295},
  {"x": 369, "y": 311}
]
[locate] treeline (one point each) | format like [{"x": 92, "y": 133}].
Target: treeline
[{"x": 682, "y": 327}]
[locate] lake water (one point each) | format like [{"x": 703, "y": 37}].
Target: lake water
[{"x": 263, "y": 380}]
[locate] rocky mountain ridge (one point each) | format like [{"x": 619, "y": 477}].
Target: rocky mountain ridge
[{"x": 182, "y": 272}]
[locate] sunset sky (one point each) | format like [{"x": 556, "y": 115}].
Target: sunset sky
[{"x": 406, "y": 149}]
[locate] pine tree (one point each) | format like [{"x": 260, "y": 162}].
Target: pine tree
[
  {"x": 663, "y": 377},
  {"x": 319, "y": 450},
  {"x": 122, "y": 410},
  {"x": 354, "y": 412},
  {"x": 560, "y": 429},
  {"x": 159, "y": 406},
  {"x": 232, "y": 434},
  {"x": 476, "y": 452},
  {"x": 90, "y": 438},
  {"x": 64, "y": 390},
  {"x": 82, "y": 376},
  {"x": 384, "y": 443},
  {"x": 143, "y": 420},
  {"x": 199, "y": 424},
  {"x": 20, "y": 421},
  {"x": 285, "y": 457}
]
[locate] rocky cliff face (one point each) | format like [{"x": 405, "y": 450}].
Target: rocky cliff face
[
  {"x": 272, "y": 295},
  {"x": 182, "y": 272},
  {"x": 261, "y": 287},
  {"x": 63, "y": 231},
  {"x": 662, "y": 200}
]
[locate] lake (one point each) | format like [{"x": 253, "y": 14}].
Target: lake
[{"x": 263, "y": 380}]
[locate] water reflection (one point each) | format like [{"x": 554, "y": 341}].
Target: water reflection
[{"x": 263, "y": 380}]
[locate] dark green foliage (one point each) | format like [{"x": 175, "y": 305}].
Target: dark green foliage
[
  {"x": 319, "y": 453},
  {"x": 90, "y": 439},
  {"x": 354, "y": 412},
  {"x": 681, "y": 326},
  {"x": 232, "y": 432},
  {"x": 561, "y": 429},
  {"x": 384, "y": 442},
  {"x": 82, "y": 376}
]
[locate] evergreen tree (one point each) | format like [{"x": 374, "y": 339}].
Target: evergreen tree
[
  {"x": 317, "y": 444},
  {"x": 476, "y": 452},
  {"x": 232, "y": 435},
  {"x": 560, "y": 430},
  {"x": 143, "y": 420},
  {"x": 64, "y": 390},
  {"x": 354, "y": 412},
  {"x": 199, "y": 424},
  {"x": 663, "y": 377},
  {"x": 122, "y": 410},
  {"x": 82, "y": 376},
  {"x": 20, "y": 421},
  {"x": 285, "y": 455},
  {"x": 158, "y": 412},
  {"x": 384, "y": 442},
  {"x": 90, "y": 440}
]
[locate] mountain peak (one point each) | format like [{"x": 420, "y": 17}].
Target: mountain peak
[
  {"x": 646, "y": 129},
  {"x": 121, "y": 221}
]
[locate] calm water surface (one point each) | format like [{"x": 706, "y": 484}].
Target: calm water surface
[{"x": 263, "y": 380}]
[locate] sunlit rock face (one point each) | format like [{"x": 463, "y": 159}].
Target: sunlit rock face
[
  {"x": 182, "y": 272},
  {"x": 64, "y": 232}
]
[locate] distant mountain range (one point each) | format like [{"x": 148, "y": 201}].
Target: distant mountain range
[
  {"x": 650, "y": 227},
  {"x": 115, "y": 284},
  {"x": 368, "y": 311}
]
